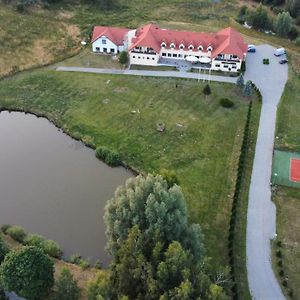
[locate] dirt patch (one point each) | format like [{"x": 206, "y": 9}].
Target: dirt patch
[
  {"x": 121, "y": 90},
  {"x": 65, "y": 15},
  {"x": 72, "y": 30},
  {"x": 40, "y": 51}
]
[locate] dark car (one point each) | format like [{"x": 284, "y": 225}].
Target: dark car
[{"x": 283, "y": 61}]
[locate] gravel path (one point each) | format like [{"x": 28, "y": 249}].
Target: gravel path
[{"x": 261, "y": 224}]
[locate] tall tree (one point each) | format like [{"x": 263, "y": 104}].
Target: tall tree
[
  {"x": 240, "y": 81},
  {"x": 156, "y": 253},
  {"x": 28, "y": 272},
  {"x": 259, "y": 18},
  {"x": 248, "y": 89},
  {"x": 283, "y": 23}
]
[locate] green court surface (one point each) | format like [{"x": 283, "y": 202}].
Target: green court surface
[{"x": 281, "y": 173}]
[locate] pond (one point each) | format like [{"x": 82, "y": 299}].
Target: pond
[{"x": 53, "y": 185}]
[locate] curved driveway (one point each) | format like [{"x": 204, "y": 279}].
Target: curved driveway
[{"x": 261, "y": 219}]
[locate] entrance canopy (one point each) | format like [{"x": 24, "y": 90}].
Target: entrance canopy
[
  {"x": 204, "y": 60},
  {"x": 192, "y": 59}
]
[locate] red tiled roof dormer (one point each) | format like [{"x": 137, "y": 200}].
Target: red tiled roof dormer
[{"x": 115, "y": 34}]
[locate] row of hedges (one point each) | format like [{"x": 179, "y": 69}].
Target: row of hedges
[
  {"x": 236, "y": 198},
  {"x": 18, "y": 234}
]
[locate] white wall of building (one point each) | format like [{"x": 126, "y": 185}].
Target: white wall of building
[
  {"x": 105, "y": 45},
  {"x": 226, "y": 66},
  {"x": 143, "y": 59}
]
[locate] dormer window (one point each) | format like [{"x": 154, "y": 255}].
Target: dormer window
[
  {"x": 191, "y": 47},
  {"x": 209, "y": 48},
  {"x": 200, "y": 48},
  {"x": 172, "y": 45},
  {"x": 181, "y": 46},
  {"x": 163, "y": 44}
]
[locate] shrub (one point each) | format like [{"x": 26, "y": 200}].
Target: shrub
[
  {"x": 3, "y": 250},
  {"x": 20, "y": 7},
  {"x": 66, "y": 287},
  {"x": 227, "y": 103},
  {"x": 206, "y": 90},
  {"x": 279, "y": 253},
  {"x": 243, "y": 66},
  {"x": 75, "y": 259},
  {"x": 281, "y": 273},
  {"x": 17, "y": 233},
  {"x": 170, "y": 177},
  {"x": 4, "y": 228},
  {"x": 279, "y": 263},
  {"x": 108, "y": 156},
  {"x": 29, "y": 272},
  {"x": 99, "y": 288},
  {"x": 2, "y": 294},
  {"x": 266, "y": 61},
  {"x": 52, "y": 248},
  {"x": 98, "y": 264},
  {"x": 84, "y": 263},
  {"x": 34, "y": 240},
  {"x": 297, "y": 41},
  {"x": 123, "y": 58}
]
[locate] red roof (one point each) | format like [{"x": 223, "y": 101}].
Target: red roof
[
  {"x": 115, "y": 34},
  {"x": 226, "y": 41}
]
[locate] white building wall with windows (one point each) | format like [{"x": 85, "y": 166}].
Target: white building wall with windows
[
  {"x": 143, "y": 59},
  {"x": 105, "y": 45}
]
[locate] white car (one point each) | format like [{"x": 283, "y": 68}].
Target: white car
[{"x": 279, "y": 52}]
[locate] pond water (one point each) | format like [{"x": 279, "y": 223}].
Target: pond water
[{"x": 53, "y": 185}]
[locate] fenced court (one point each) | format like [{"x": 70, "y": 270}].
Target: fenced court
[{"x": 286, "y": 169}]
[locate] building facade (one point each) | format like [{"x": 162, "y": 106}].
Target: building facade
[{"x": 153, "y": 46}]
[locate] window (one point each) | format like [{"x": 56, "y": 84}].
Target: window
[
  {"x": 163, "y": 44},
  {"x": 225, "y": 66},
  {"x": 174, "y": 55},
  {"x": 148, "y": 58},
  {"x": 152, "y": 58},
  {"x": 112, "y": 50},
  {"x": 164, "y": 54},
  {"x": 169, "y": 54},
  {"x": 218, "y": 65},
  {"x": 139, "y": 57},
  {"x": 200, "y": 48},
  {"x": 233, "y": 56},
  {"x": 97, "y": 49},
  {"x": 233, "y": 67},
  {"x": 179, "y": 55},
  {"x": 172, "y": 45},
  {"x": 133, "y": 56},
  {"x": 191, "y": 47},
  {"x": 103, "y": 42},
  {"x": 104, "y": 49},
  {"x": 181, "y": 46},
  {"x": 209, "y": 48}
]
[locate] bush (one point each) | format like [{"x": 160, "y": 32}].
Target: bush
[
  {"x": 227, "y": 103},
  {"x": 243, "y": 66},
  {"x": 170, "y": 177},
  {"x": 52, "y": 248},
  {"x": 206, "y": 90},
  {"x": 123, "y": 58},
  {"x": 17, "y": 233},
  {"x": 3, "y": 250},
  {"x": 84, "y": 263},
  {"x": 266, "y": 61},
  {"x": 66, "y": 287},
  {"x": 75, "y": 259},
  {"x": 98, "y": 264},
  {"x": 20, "y": 7},
  {"x": 108, "y": 156},
  {"x": 34, "y": 240},
  {"x": 4, "y": 228},
  {"x": 29, "y": 272},
  {"x": 279, "y": 253}
]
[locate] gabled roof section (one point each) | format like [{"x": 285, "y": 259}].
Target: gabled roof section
[
  {"x": 115, "y": 34},
  {"x": 233, "y": 43}
]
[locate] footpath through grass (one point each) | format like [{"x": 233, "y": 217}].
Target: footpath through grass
[
  {"x": 288, "y": 199},
  {"x": 201, "y": 142}
]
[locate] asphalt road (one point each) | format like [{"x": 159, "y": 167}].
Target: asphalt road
[
  {"x": 261, "y": 218},
  {"x": 176, "y": 74}
]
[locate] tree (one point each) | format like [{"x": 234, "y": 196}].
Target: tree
[
  {"x": 293, "y": 6},
  {"x": 28, "y": 272},
  {"x": 156, "y": 253},
  {"x": 206, "y": 90},
  {"x": 248, "y": 89},
  {"x": 240, "y": 81},
  {"x": 123, "y": 58},
  {"x": 66, "y": 287},
  {"x": 259, "y": 18},
  {"x": 2, "y": 294},
  {"x": 283, "y": 23}
]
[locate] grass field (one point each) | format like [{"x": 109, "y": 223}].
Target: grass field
[
  {"x": 288, "y": 199},
  {"x": 203, "y": 152}
]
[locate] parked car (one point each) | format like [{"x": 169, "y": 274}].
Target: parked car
[
  {"x": 283, "y": 61},
  {"x": 279, "y": 52},
  {"x": 251, "y": 48}
]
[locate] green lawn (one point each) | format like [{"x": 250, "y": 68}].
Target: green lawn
[
  {"x": 288, "y": 199},
  {"x": 98, "y": 109}
]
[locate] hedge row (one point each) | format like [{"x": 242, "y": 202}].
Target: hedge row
[
  {"x": 110, "y": 157},
  {"x": 236, "y": 198},
  {"x": 18, "y": 234}
]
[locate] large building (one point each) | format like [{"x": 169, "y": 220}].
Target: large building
[{"x": 153, "y": 46}]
